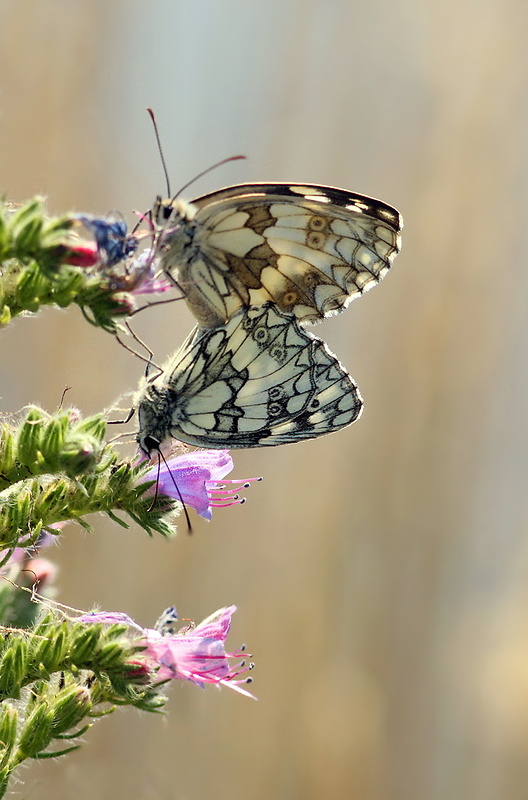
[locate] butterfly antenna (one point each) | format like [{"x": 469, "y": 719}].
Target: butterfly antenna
[
  {"x": 201, "y": 174},
  {"x": 187, "y": 518},
  {"x": 160, "y": 149}
]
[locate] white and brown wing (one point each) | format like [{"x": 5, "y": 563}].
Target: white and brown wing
[{"x": 308, "y": 249}]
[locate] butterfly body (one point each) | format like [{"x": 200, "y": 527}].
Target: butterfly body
[
  {"x": 259, "y": 380},
  {"x": 308, "y": 249}
]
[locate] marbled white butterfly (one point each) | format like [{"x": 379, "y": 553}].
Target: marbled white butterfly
[
  {"x": 259, "y": 380},
  {"x": 308, "y": 249}
]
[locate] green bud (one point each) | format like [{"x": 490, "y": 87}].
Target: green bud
[
  {"x": 57, "y": 229},
  {"x": 86, "y": 640},
  {"x": 94, "y": 425},
  {"x": 52, "y": 441},
  {"x": 36, "y": 734},
  {"x": 13, "y": 666},
  {"x": 29, "y": 435},
  {"x": 66, "y": 294},
  {"x": 120, "y": 480},
  {"x": 52, "y": 502},
  {"x": 23, "y": 503},
  {"x": 27, "y": 239},
  {"x": 112, "y": 654},
  {"x": 50, "y": 650},
  {"x": 42, "y": 628},
  {"x": 18, "y": 526},
  {"x": 70, "y": 708},
  {"x": 20, "y": 216},
  {"x": 26, "y": 225},
  {"x": 11, "y": 526},
  {"x": 29, "y": 286},
  {"x": 80, "y": 454},
  {"x": 7, "y": 449},
  {"x": 8, "y": 732},
  {"x": 59, "y": 645}
]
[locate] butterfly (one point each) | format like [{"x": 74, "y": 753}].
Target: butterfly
[
  {"x": 309, "y": 249},
  {"x": 258, "y": 380}
]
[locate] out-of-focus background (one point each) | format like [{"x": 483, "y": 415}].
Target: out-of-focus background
[{"x": 381, "y": 573}]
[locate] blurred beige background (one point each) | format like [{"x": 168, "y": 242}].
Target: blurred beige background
[{"x": 381, "y": 573}]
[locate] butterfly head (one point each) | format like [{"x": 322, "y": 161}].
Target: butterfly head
[
  {"x": 168, "y": 212},
  {"x": 148, "y": 444}
]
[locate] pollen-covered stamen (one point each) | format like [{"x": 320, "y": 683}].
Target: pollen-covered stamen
[
  {"x": 239, "y": 501},
  {"x": 200, "y": 479},
  {"x": 223, "y": 493},
  {"x": 221, "y": 497},
  {"x": 235, "y": 670},
  {"x": 243, "y": 482},
  {"x": 242, "y": 667}
]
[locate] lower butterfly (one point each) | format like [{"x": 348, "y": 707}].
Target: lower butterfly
[
  {"x": 309, "y": 249},
  {"x": 259, "y": 380}
]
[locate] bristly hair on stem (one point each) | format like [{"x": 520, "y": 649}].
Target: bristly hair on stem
[{"x": 58, "y": 467}]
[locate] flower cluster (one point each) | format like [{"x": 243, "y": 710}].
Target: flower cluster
[
  {"x": 57, "y": 672},
  {"x": 195, "y": 654}
]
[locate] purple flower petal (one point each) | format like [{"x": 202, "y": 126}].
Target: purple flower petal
[
  {"x": 194, "y": 654},
  {"x": 198, "y": 654},
  {"x": 194, "y": 475}
]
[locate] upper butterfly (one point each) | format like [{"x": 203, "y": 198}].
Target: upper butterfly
[{"x": 308, "y": 249}]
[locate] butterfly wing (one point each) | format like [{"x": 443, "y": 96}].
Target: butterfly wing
[
  {"x": 259, "y": 380},
  {"x": 308, "y": 249}
]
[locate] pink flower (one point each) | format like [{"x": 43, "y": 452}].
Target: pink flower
[
  {"x": 109, "y": 618},
  {"x": 113, "y": 253},
  {"x": 143, "y": 277},
  {"x": 194, "y": 478},
  {"x": 198, "y": 654},
  {"x": 112, "y": 240},
  {"x": 193, "y": 654}
]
